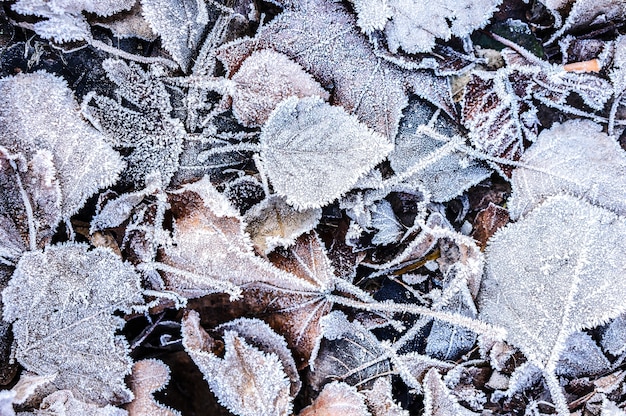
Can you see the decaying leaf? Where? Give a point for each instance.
(265, 79)
(413, 26)
(180, 23)
(314, 152)
(337, 398)
(273, 223)
(296, 314)
(210, 251)
(554, 165)
(148, 376)
(338, 56)
(61, 302)
(247, 380)
(544, 296)
(79, 154)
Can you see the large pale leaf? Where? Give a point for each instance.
(61, 302)
(38, 112)
(558, 270)
(314, 152)
(574, 157)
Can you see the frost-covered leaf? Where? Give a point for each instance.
(614, 337)
(128, 24)
(582, 357)
(314, 152)
(444, 174)
(380, 401)
(347, 352)
(247, 380)
(553, 165)
(180, 23)
(341, 58)
(148, 376)
(146, 127)
(556, 271)
(273, 223)
(439, 400)
(413, 26)
(64, 19)
(61, 302)
(296, 314)
(388, 228)
(38, 112)
(587, 14)
(210, 251)
(265, 79)
(337, 398)
(63, 403)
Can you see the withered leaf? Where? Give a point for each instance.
(333, 51)
(61, 302)
(439, 400)
(296, 314)
(83, 160)
(314, 152)
(273, 223)
(63, 402)
(263, 80)
(210, 251)
(553, 165)
(337, 398)
(543, 296)
(247, 380)
(148, 376)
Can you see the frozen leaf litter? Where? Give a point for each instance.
(310, 207)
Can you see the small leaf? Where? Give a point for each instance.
(314, 152)
(337, 398)
(148, 376)
(438, 400)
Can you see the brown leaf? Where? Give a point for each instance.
(148, 376)
(487, 222)
(337, 398)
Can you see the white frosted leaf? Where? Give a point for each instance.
(388, 228)
(556, 271)
(585, 13)
(63, 403)
(614, 337)
(337, 398)
(573, 157)
(247, 381)
(582, 357)
(380, 400)
(180, 23)
(266, 78)
(314, 152)
(38, 112)
(61, 303)
(273, 223)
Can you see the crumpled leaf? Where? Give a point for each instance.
(438, 400)
(61, 302)
(543, 296)
(314, 152)
(83, 161)
(263, 80)
(273, 223)
(128, 24)
(146, 127)
(413, 26)
(553, 165)
(341, 58)
(210, 251)
(337, 398)
(180, 23)
(148, 376)
(247, 380)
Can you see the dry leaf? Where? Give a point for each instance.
(148, 376)
(337, 398)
